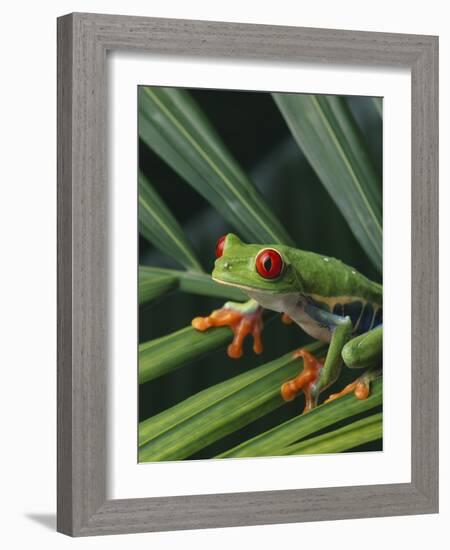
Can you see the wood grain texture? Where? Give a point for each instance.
(424, 276)
(83, 40)
(64, 252)
(82, 265)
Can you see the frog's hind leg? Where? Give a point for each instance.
(305, 380)
(364, 351)
(315, 376)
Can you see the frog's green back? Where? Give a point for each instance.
(328, 277)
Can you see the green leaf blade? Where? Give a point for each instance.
(154, 285)
(215, 412)
(357, 433)
(184, 281)
(378, 103)
(326, 132)
(157, 225)
(270, 442)
(173, 126)
(171, 352)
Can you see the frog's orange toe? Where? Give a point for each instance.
(257, 341)
(235, 350)
(200, 323)
(289, 390)
(362, 390)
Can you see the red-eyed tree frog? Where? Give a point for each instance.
(329, 300)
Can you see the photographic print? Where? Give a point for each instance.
(260, 274)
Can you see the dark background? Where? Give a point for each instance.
(254, 131)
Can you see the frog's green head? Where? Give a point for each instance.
(259, 267)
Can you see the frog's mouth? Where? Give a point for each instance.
(242, 287)
(228, 283)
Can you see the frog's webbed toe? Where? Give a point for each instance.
(360, 387)
(243, 319)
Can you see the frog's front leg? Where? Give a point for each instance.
(364, 351)
(242, 318)
(315, 376)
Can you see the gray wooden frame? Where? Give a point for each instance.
(83, 41)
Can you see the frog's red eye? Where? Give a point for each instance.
(219, 246)
(269, 263)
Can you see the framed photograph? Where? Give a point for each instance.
(247, 274)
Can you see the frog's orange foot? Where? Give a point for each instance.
(360, 387)
(305, 381)
(241, 323)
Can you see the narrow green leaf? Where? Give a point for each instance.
(172, 124)
(175, 350)
(270, 442)
(326, 132)
(350, 436)
(185, 281)
(217, 411)
(378, 102)
(157, 224)
(154, 285)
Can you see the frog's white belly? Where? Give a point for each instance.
(293, 304)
